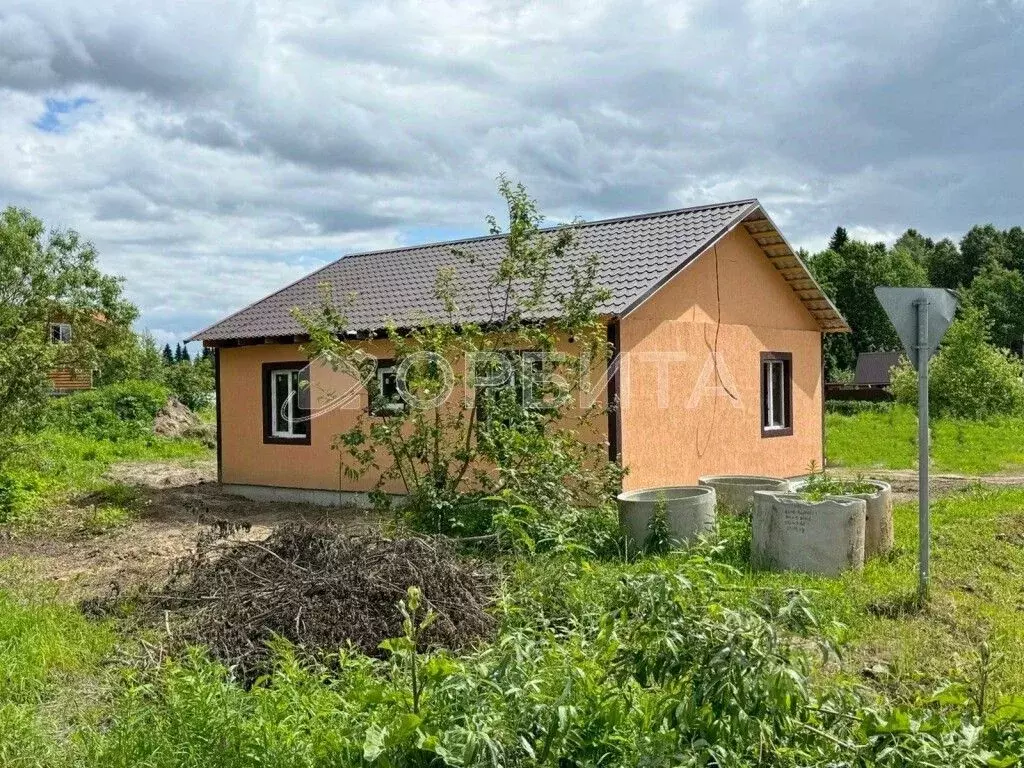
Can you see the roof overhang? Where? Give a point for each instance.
(793, 270)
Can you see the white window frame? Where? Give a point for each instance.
(776, 378)
(291, 375)
(776, 389)
(63, 333)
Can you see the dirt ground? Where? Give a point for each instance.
(904, 481)
(178, 502)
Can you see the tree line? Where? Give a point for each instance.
(986, 268)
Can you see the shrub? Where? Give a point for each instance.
(117, 412)
(855, 407)
(18, 494)
(969, 378)
(191, 383)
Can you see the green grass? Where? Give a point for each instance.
(977, 597)
(889, 441)
(50, 658)
(55, 466)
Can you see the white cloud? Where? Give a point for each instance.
(232, 146)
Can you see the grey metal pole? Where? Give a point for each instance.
(924, 527)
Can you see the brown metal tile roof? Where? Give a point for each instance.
(636, 254)
(874, 368)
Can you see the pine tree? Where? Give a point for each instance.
(839, 239)
(177, 353)
(167, 355)
(185, 356)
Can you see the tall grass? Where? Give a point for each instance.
(49, 656)
(52, 466)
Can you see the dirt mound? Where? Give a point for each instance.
(321, 588)
(175, 419)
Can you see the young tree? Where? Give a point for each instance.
(970, 378)
(136, 357)
(48, 277)
(514, 433)
(168, 355)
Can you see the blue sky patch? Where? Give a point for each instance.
(53, 118)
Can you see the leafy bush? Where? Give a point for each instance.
(191, 383)
(819, 485)
(854, 407)
(969, 378)
(19, 492)
(117, 412)
(654, 663)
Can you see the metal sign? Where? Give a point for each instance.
(921, 317)
(901, 305)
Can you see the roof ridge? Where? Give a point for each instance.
(552, 228)
(476, 239)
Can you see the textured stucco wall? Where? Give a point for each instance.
(246, 460)
(678, 421)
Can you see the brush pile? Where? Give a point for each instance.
(322, 589)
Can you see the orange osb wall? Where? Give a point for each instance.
(675, 426)
(246, 460)
(66, 380)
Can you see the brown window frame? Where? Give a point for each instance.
(786, 358)
(268, 370)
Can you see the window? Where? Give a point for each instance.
(60, 333)
(776, 394)
(285, 403)
(385, 400)
(522, 376)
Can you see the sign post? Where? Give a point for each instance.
(921, 317)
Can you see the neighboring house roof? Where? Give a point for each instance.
(636, 255)
(873, 367)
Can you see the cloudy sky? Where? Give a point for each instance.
(215, 151)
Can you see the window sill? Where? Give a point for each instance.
(776, 431)
(277, 440)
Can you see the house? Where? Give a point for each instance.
(716, 322)
(874, 369)
(65, 380)
(871, 379)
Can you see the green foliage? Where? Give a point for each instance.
(969, 378)
(659, 537)
(48, 278)
(820, 485)
(117, 412)
(135, 357)
(513, 455)
(47, 651)
(191, 383)
(849, 277)
(658, 662)
(999, 292)
(853, 407)
(55, 466)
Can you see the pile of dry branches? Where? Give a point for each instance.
(322, 589)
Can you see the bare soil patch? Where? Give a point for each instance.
(179, 500)
(904, 481)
